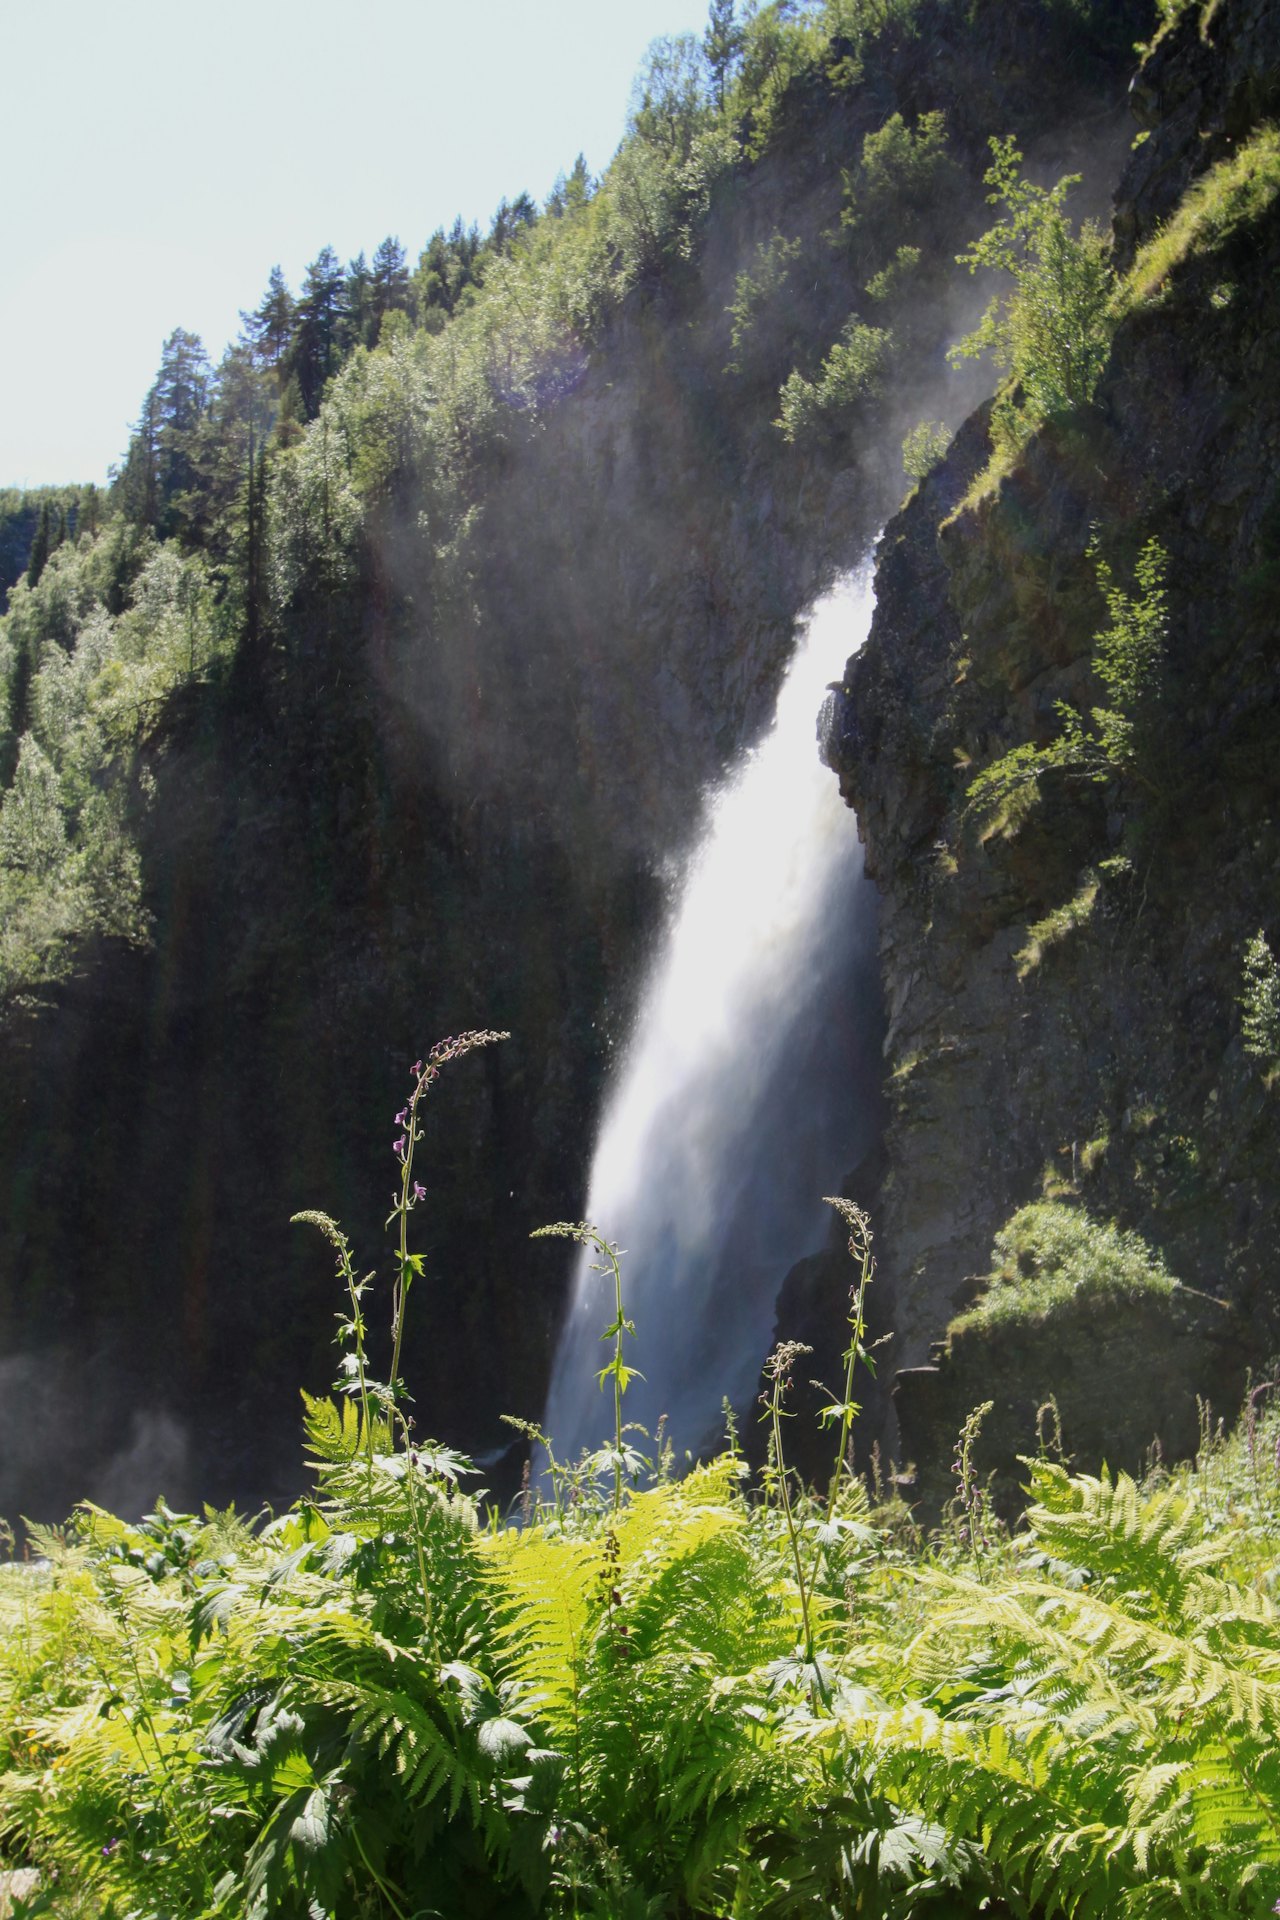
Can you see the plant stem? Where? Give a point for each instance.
(412, 1136)
(376, 1877)
(788, 1515)
(612, 1257)
(858, 1325)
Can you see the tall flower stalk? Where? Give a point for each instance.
(847, 1408)
(409, 1265)
(615, 1370)
(777, 1371)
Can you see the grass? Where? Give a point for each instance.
(1057, 926)
(1231, 197)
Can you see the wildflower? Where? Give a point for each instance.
(399, 1146)
(777, 1367)
(419, 1191)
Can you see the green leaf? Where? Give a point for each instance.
(310, 1829)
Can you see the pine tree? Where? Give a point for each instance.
(40, 547)
(136, 487)
(390, 291)
(512, 218)
(269, 328)
(356, 325)
(566, 193)
(448, 265)
(182, 395)
(314, 352)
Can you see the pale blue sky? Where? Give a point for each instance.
(164, 154)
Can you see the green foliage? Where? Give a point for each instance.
(902, 184)
(1129, 659)
(1260, 1002)
(757, 287)
(1052, 330)
(1171, 11)
(782, 43)
(1128, 739)
(199, 1717)
(86, 690)
(1058, 925)
(851, 373)
(722, 46)
(924, 447)
(1050, 1256)
(1216, 209)
(681, 1698)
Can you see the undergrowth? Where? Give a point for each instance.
(641, 1695)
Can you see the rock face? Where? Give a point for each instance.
(1063, 988)
(427, 813)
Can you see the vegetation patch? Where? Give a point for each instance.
(1051, 329)
(1051, 1257)
(1231, 197)
(644, 1697)
(1126, 738)
(1057, 926)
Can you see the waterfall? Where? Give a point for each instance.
(747, 1091)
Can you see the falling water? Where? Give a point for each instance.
(747, 1091)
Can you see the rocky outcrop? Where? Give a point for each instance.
(1063, 987)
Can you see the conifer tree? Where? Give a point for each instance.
(356, 325)
(511, 219)
(40, 547)
(390, 290)
(314, 350)
(269, 328)
(571, 190)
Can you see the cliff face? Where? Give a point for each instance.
(1063, 983)
(451, 797)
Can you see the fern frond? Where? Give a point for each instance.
(548, 1595)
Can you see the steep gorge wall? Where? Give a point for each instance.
(1098, 1059)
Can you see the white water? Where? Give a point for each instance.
(748, 1088)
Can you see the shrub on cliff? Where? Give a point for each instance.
(1052, 329)
(1050, 1255)
(1126, 737)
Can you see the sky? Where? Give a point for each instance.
(165, 154)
